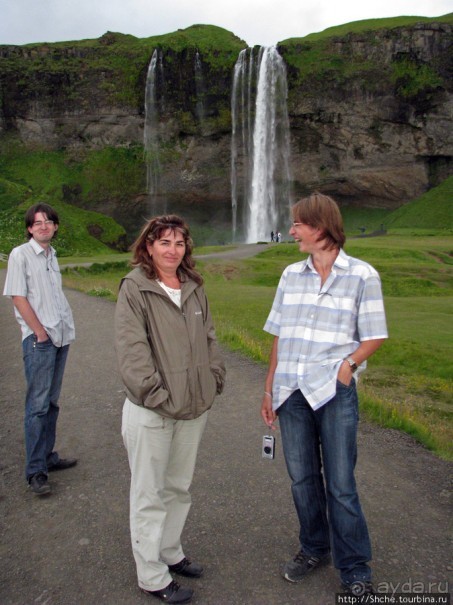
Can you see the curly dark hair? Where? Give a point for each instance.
(152, 231)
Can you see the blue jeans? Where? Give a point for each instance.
(44, 368)
(324, 443)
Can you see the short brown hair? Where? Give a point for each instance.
(45, 209)
(321, 212)
(152, 231)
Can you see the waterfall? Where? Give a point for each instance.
(151, 133)
(242, 111)
(200, 90)
(237, 111)
(261, 160)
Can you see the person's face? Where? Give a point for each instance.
(306, 236)
(42, 229)
(167, 252)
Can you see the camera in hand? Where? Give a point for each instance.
(268, 449)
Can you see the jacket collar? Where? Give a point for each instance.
(145, 284)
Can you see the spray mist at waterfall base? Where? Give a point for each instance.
(209, 221)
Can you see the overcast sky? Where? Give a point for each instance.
(263, 22)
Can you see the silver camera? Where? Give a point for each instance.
(268, 449)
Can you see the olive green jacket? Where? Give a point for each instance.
(168, 357)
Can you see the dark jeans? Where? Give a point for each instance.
(44, 368)
(329, 510)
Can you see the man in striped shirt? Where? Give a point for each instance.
(327, 319)
(33, 282)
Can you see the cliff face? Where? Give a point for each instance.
(372, 121)
(370, 113)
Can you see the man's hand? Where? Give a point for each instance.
(29, 316)
(267, 413)
(42, 336)
(345, 373)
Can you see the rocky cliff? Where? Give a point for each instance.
(371, 113)
(370, 109)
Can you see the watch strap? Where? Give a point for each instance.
(352, 363)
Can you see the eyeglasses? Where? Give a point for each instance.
(47, 223)
(295, 224)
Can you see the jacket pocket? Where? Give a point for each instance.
(208, 385)
(179, 392)
(157, 394)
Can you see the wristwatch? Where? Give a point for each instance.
(352, 363)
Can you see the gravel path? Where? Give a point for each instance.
(72, 548)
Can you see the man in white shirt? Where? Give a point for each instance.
(33, 282)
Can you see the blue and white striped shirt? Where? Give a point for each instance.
(319, 325)
(36, 276)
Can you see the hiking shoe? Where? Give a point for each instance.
(173, 593)
(358, 588)
(62, 464)
(38, 484)
(296, 569)
(187, 568)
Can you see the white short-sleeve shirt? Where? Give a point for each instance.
(35, 274)
(318, 325)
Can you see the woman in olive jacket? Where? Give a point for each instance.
(172, 369)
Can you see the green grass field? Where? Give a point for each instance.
(408, 384)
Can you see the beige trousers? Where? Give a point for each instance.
(162, 453)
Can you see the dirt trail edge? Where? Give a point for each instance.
(72, 548)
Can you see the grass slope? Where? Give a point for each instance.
(433, 210)
(367, 25)
(28, 177)
(81, 232)
(408, 384)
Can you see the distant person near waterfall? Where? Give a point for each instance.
(327, 319)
